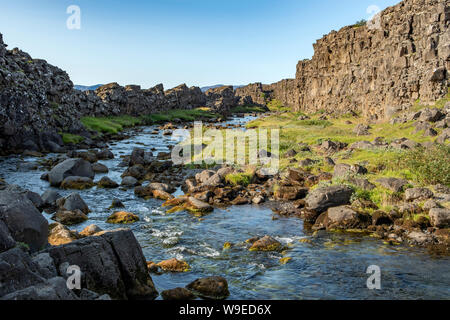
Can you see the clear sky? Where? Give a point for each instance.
(197, 42)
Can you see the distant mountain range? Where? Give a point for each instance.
(94, 87)
(87, 88)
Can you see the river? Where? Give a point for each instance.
(327, 266)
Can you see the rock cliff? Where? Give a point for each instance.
(402, 57)
(38, 102)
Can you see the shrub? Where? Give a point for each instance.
(360, 23)
(428, 165)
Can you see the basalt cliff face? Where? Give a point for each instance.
(38, 102)
(401, 56)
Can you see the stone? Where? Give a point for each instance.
(204, 176)
(122, 217)
(174, 265)
(59, 235)
(290, 193)
(111, 263)
(129, 182)
(99, 168)
(116, 203)
(6, 240)
(343, 217)
(69, 218)
(418, 194)
(198, 207)
(162, 195)
(362, 145)
(362, 130)
(77, 183)
(24, 222)
(49, 198)
(444, 136)
(306, 162)
(215, 288)
(266, 243)
(343, 170)
(319, 200)
(440, 218)
(362, 183)
(105, 154)
(291, 153)
(51, 289)
(107, 183)
(90, 230)
(73, 202)
(70, 168)
(381, 218)
(393, 184)
(178, 294)
(161, 187)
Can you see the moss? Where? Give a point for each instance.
(71, 138)
(248, 109)
(227, 245)
(240, 179)
(285, 260)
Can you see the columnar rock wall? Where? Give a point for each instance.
(38, 102)
(404, 57)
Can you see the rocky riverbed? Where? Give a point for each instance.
(262, 248)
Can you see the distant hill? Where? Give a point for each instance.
(204, 89)
(86, 88)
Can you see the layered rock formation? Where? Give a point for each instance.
(402, 57)
(38, 102)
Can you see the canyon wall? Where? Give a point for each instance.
(402, 56)
(38, 102)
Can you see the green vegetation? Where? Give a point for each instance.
(116, 124)
(428, 166)
(184, 115)
(248, 109)
(69, 138)
(240, 179)
(276, 105)
(360, 23)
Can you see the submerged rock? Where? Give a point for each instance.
(266, 243)
(122, 217)
(181, 294)
(70, 168)
(77, 183)
(174, 265)
(69, 218)
(215, 288)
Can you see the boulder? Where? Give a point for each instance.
(59, 235)
(266, 243)
(215, 288)
(178, 294)
(290, 193)
(107, 183)
(321, 199)
(122, 217)
(24, 222)
(440, 218)
(174, 265)
(6, 241)
(362, 183)
(343, 170)
(204, 176)
(77, 183)
(105, 154)
(418, 194)
(69, 218)
(112, 263)
(90, 230)
(362, 130)
(393, 184)
(129, 182)
(344, 217)
(73, 202)
(69, 168)
(100, 168)
(49, 198)
(198, 207)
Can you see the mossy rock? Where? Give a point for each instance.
(122, 217)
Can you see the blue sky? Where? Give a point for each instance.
(196, 42)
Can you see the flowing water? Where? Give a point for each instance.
(328, 266)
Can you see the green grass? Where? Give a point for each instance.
(240, 179)
(276, 105)
(184, 115)
(69, 138)
(114, 125)
(248, 109)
